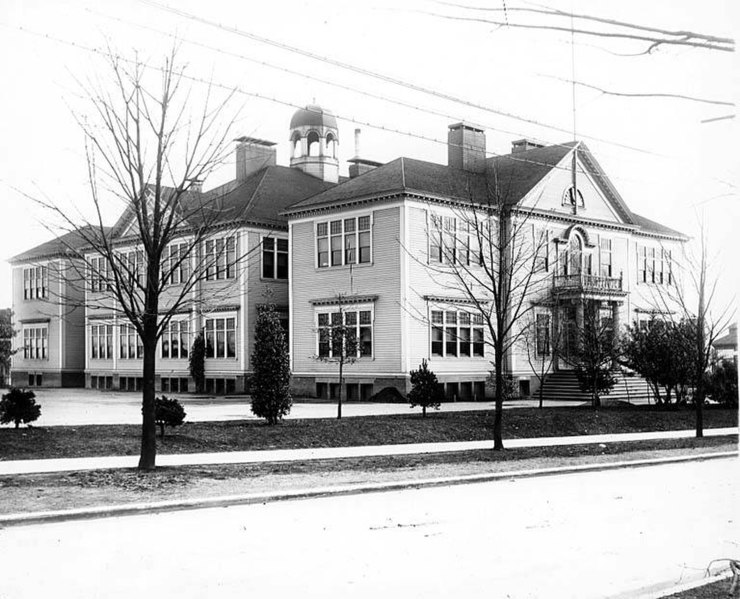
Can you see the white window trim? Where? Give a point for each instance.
(275, 254)
(27, 328)
(169, 338)
(354, 214)
(457, 309)
(333, 309)
(237, 325)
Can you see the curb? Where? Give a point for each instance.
(686, 586)
(335, 491)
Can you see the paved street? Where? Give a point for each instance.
(601, 534)
(90, 406)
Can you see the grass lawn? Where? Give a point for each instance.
(40, 492)
(83, 441)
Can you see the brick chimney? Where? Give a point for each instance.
(466, 147)
(522, 145)
(253, 154)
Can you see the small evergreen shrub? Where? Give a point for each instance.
(198, 362)
(168, 412)
(270, 381)
(425, 389)
(19, 405)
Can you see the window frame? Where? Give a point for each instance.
(354, 313)
(35, 282)
(447, 323)
(127, 333)
(174, 332)
(220, 257)
(543, 334)
(207, 332)
(101, 335)
(276, 253)
(36, 341)
(338, 242)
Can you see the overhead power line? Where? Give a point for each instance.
(376, 75)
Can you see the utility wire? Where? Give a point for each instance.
(375, 75)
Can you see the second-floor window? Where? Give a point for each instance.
(454, 240)
(176, 264)
(35, 282)
(542, 333)
(221, 337)
(457, 333)
(101, 341)
(129, 342)
(654, 265)
(98, 274)
(274, 258)
(343, 241)
(220, 258)
(35, 342)
(176, 340)
(605, 257)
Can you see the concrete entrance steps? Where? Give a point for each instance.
(563, 386)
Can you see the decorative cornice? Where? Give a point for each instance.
(345, 299)
(441, 299)
(34, 320)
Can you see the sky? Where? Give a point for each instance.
(667, 164)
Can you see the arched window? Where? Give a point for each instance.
(575, 256)
(331, 146)
(573, 197)
(313, 144)
(296, 145)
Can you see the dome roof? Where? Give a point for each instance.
(313, 116)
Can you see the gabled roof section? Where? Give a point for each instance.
(259, 199)
(514, 175)
(650, 226)
(65, 245)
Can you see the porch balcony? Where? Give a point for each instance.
(584, 283)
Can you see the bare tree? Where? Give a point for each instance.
(498, 272)
(148, 149)
(338, 341)
(539, 342)
(693, 301)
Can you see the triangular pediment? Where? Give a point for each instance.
(596, 197)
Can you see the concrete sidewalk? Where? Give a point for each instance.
(322, 453)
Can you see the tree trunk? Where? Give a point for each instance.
(148, 454)
(498, 442)
(17, 423)
(423, 411)
(161, 431)
(339, 402)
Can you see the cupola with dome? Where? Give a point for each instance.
(314, 140)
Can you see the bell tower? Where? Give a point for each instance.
(314, 143)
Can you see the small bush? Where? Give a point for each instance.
(425, 389)
(19, 405)
(168, 412)
(388, 395)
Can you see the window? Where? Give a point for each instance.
(453, 241)
(101, 341)
(221, 337)
(130, 346)
(543, 334)
(274, 258)
(131, 266)
(542, 250)
(573, 197)
(605, 257)
(457, 333)
(36, 342)
(35, 282)
(344, 241)
(654, 265)
(176, 264)
(348, 329)
(176, 340)
(220, 258)
(98, 269)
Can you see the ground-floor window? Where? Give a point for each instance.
(101, 382)
(36, 342)
(130, 383)
(101, 341)
(221, 337)
(35, 380)
(457, 333)
(220, 386)
(130, 345)
(174, 384)
(351, 329)
(353, 391)
(465, 390)
(176, 339)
